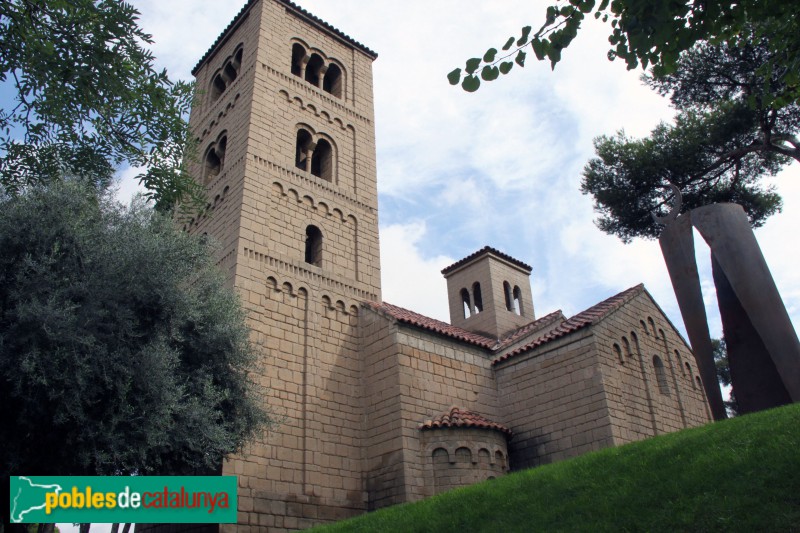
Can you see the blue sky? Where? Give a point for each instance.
(502, 166)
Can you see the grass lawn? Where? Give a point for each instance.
(738, 475)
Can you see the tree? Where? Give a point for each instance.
(121, 349)
(724, 373)
(88, 98)
(727, 135)
(655, 33)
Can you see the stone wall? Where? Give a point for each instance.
(553, 399)
(646, 398)
(456, 457)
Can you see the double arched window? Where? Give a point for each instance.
(474, 304)
(225, 76)
(314, 154)
(317, 70)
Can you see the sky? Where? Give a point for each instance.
(499, 167)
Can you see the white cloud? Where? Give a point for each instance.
(501, 166)
(411, 280)
(127, 185)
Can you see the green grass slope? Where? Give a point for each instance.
(738, 475)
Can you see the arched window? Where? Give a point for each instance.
(661, 375)
(214, 159)
(302, 159)
(217, 87)
(507, 292)
(688, 372)
(322, 160)
(477, 297)
(212, 164)
(313, 68)
(332, 82)
(517, 300)
(230, 73)
(618, 351)
(465, 303)
(680, 362)
(313, 246)
(226, 75)
(298, 54)
(699, 384)
(626, 346)
(644, 327)
(652, 326)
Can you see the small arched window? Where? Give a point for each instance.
(313, 246)
(618, 352)
(699, 384)
(313, 68)
(688, 372)
(661, 375)
(626, 346)
(652, 326)
(303, 147)
(507, 292)
(298, 55)
(644, 327)
(517, 300)
(477, 297)
(214, 159)
(332, 82)
(322, 160)
(213, 165)
(465, 303)
(218, 86)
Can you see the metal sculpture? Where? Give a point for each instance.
(763, 349)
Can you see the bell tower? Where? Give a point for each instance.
(489, 292)
(285, 126)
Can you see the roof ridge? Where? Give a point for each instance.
(413, 318)
(589, 316)
(241, 15)
(515, 335)
(462, 418)
(486, 250)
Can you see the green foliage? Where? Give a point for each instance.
(735, 475)
(724, 139)
(121, 349)
(88, 98)
(655, 33)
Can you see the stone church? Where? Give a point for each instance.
(377, 404)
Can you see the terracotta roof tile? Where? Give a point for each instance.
(459, 418)
(483, 251)
(243, 12)
(540, 323)
(585, 318)
(415, 319)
